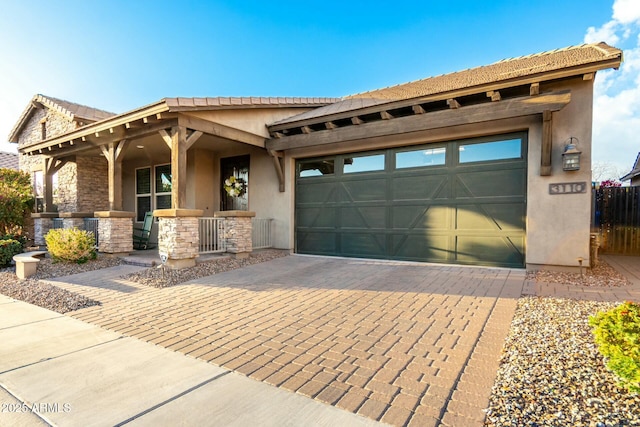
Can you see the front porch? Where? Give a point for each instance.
(216, 235)
(171, 159)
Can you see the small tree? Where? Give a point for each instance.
(610, 183)
(16, 200)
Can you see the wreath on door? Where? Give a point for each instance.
(235, 187)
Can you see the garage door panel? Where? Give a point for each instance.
(410, 217)
(369, 244)
(316, 242)
(498, 217)
(364, 217)
(363, 190)
(316, 192)
(490, 184)
(420, 187)
(505, 251)
(316, 217)
(422, 247)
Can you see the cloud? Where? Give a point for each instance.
(616, 109)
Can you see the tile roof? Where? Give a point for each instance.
(505, 69)
(190, 103)
(8, 160)
(500, 72)
(72, 110)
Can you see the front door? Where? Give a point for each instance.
(237, 167)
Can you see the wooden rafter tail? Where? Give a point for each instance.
(453, 103)
(494, 95)
(330, 125)
(534, 89)
(306, 129)
(356, 120)
(417, 109)
(385, 115)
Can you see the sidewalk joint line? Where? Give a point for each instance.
(61, 355)
(171, 399)
(35, 321)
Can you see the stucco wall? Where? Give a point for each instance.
(558, 226)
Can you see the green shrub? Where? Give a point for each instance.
(9, 248)
(617, 333)
(70, 245)
(16, 199)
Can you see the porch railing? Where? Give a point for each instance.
(57, 223)
(91, 224)
(261, 233)
(211, 231)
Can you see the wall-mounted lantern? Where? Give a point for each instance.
(571, 155)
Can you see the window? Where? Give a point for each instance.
(495, 150)
(316, 168)
(152, 191)
(143, 192)
(364, 163)
(163, 187)
(421, 158)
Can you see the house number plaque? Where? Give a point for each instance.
(568, 188)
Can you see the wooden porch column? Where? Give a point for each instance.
(179, 143)
(113, 152)
(51, 165)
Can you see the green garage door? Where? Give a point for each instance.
(454, 202)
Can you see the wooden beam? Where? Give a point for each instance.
(220, 130)
(114, 152)
(588, 76)
(452, 103)
(306, 129)
(385, 115)
(191, 139)
(179, 167)
(547, 143)
(505, 109)
(494, 95)
(166, 137)
(356, 120)
(278, 160)
(417, 109)
(534, 89)
(278, 134)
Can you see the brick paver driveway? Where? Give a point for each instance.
(403, 343)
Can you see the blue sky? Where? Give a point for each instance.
(119, 55)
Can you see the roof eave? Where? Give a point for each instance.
(497, 85)
(100, 126)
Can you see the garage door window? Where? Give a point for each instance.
(421, 158)
(490, 151)
(364, 163)
(316, 168)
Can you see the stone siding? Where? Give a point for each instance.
(238, 234)
(178, 237)
(115, 235)
(82, 183)
(41, 227)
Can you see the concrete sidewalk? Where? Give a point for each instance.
(61, 371)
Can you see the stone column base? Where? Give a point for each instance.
(42, 223)
(178, 236)
(115, 229)
(238, 229)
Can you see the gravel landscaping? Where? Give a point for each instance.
(158, 278)
(551, 373)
